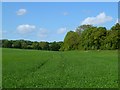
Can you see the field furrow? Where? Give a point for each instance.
(49, 69)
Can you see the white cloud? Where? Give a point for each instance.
(42, 33)
(65, 13)
(99, 19)
(25, 28)
(21, 11)
(61, 31)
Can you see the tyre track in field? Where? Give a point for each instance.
(63, 74)
(32, 71)
(39, 66)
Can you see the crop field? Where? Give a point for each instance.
(52, 69)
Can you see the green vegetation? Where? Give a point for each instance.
(0, 68)
(96, 67)
(71, 41)
(92, 38)
(68, 69)
(86, 37)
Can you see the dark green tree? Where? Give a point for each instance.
(35, 45)
(16, 44)
(7, 44)
(54, 46)
(44, 45)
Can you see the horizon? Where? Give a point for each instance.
(50, 21)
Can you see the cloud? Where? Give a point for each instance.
(25, 28)
(21, 11)
(99, 19)
(65, 13)
(61, 31)
(42, 33)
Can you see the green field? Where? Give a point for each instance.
(69, 69)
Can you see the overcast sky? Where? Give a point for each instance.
(51, 21)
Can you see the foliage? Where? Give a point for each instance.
(44, 45)
(93, 38)
(24, 44)
(86, 37)
(71, 41)
(82, 28)
(54, 46)
(6, 43)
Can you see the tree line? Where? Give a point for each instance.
(88, 37)
(25, 44)
(85, 37)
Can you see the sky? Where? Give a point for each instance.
(50, 21)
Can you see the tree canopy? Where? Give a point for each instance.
(85, 37)
(92, 38)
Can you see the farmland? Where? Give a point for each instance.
(55, 69)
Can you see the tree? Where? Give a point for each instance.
(93, 38)
(23, 44)
(71, 41)
(81, 28)
(0, 43)
(7, 44)
(16, 44)
(87, 38)
(99, 37)
(35, 45)
(108, 40)
(55, 46)
(113, 38)
(44, 45)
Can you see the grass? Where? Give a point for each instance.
(69, 69)
(0, 68)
